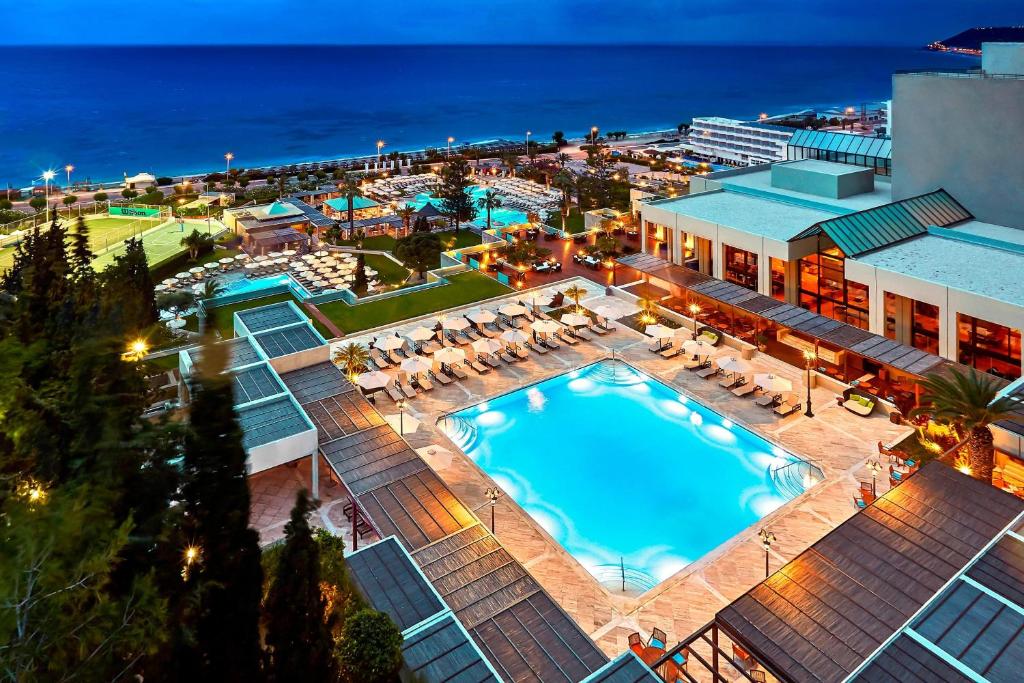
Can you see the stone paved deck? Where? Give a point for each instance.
(838, 442)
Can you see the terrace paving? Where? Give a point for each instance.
(837, 441)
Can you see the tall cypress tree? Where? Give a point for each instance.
(220, 640)
(298, 632)
(132, 300)
(359, 282)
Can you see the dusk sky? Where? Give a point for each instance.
(114, 22)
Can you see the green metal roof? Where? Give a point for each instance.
(877, 147)
(864, 231)
(341, 203)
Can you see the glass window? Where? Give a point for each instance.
(824, 289)
(988, 346)
(778, 283)
(924, 326)
(741, 267)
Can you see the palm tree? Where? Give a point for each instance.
(969, 401)
(211, 288)
(575, 293)
(562, 158)
(282, 183)
(566, 182)
(406, 213)
(353, 356)
(194, 241)
(351, 190)
(490, 200)
(510, 160)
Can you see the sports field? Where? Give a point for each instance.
(104, 232)
(161, 243)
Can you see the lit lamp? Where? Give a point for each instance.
(492, 494)
(136, 350)
(528, 134)
(875, 468)
(227, 165)
(810, 357)
(68, 169)
(401, 417)
(767, 538)
(48, 175)
(694, 311)
(191, 557)
(593, 135)
(380, 146)
(449, 152)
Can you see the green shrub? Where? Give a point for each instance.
(370, 647)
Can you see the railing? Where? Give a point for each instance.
(705, 650)
(959, 73)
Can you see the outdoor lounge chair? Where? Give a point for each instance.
(441, 378)
(504, 355)
(541, 315)
(604, 324)
(672, 351)
(788, 406)
(519, 352)
(480, 368)
(658, 638)
(394, 393)
(745, 389)
(635, 644)
(378, 358)
(407, 389)
(731, 381)
(693, 364)
(582, 333)
(768, 400)
(472, 334)
(537, 347)
(657, 347)
(708, 372)
(423, 383)
(567, 338)
(550, 342)
(459, 372)
(430, 346)
(503, 324)
(596, 329)
(491, 360)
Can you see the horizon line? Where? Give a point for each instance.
(474, 45)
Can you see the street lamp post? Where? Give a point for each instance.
(448, 153)
(401, 417)
(875, 468)
(48, 175)
(68, 169)
(810, 357)
(593, 135)
(227, 166)
(767, 538)
(694, 311)
(380, 146)
(493, 494)
(528, 133)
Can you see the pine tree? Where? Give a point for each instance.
(220, 620)
(298, 633)
(359, 283)
(131, 294)
(456, 200)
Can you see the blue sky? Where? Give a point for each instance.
(118, 22)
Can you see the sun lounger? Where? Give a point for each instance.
(768, 400)
(731, 381)
(480, 368)
(538, 347)
(597, 330)
(657, 347)
(582, 334)
(565, 337)
(506, 357)
(503, 324)
(603, 324)
(550, 343)
(424, 383)
(693, 364)
(430, 347)
(672, 351)
(472, 334)
(441, 378)
(789, 406)
(459, 372)
(491, 360)
(707, 372)
(394, 393)
(488, 332)
(542, 315)
(407, 389)
(520, 352)
(745, 389)
(377, 357)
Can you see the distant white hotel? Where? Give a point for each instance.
(740, 143)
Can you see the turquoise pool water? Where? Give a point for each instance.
(244, 285)
(503, 215)
(625, 472)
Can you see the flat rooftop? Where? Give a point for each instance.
(241, 351)
(1002, 233)
(760, 183)
(255, 382)
(771, 218)
(268, 317)
(276, 419)
(978, 269)
(281, 342)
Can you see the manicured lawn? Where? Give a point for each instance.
(222, 317)
(388, 271)
(462, 289)
(465, 238)
(376, 243)
(163, 363)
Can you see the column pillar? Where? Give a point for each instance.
(315, 470)
(793, 282)
(704, 260)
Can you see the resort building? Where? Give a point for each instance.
(362, 207)
(960, 130)
(285, 224)
(739, 143)
(926, 584)
(874, 152)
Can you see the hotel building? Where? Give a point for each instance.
(740, 143)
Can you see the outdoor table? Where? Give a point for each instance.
(668, 671)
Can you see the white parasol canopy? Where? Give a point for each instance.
(373, 380)
(389, 343)
(696, 347)
(772, 384)
(515, 336)
(734, 364)
(608, 312)
(403, 424)
(455, 323)
(576, 320)
(415, 364)
(449, 355)
(241, 257)
(482, 316)
(513, 309)
(212, 265)
(226, 260)
(658, 331)
(486, 345)
(420, 334)
(545, 326)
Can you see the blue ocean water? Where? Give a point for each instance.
(172, 110)
(620, 468)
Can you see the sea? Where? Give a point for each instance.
(174, 110)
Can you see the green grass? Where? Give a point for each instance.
(161, 244)
(465, 238)
(222, 317)
(161, 364)
(388, 271)
(462, 289)
(169, 269)
(376, 243)
(103, 232)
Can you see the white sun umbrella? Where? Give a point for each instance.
(373, 380)
(735, 365)
(212, 265)
(415, 364)
(182, 275)
(515, 336)
(540, 298)
(260, 259)
(482, 317)
(772, 384)
(512, 310)
(160, 288)
(321, 253)
(252, 266)
(658, 331)
(274, 254)
(420, 334)
(455, 323)
(288, 252)
(576, 320)
(297, 265)
(486, 345)
(449, 355)
(696, 347)
(198, 287)
(403, 423)
(226, 260)
(170, 281)
(545, 326)
(683, 333)
(389, 343)
(241, 257)
(308, 257)
(606, 311)
(196, 270)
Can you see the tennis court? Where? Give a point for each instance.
(161, 243)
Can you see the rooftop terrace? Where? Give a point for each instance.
(769, 217)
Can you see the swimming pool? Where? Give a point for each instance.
(628, 475)
(501, 215)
